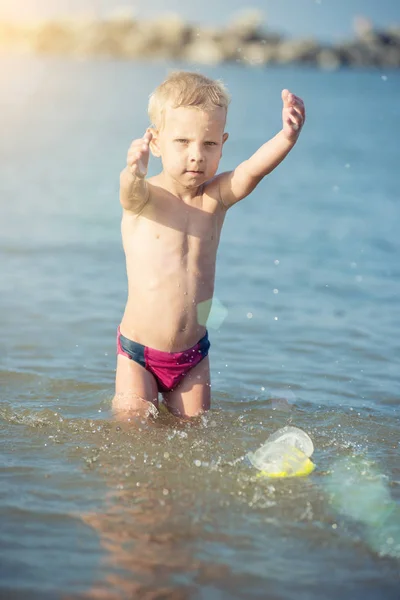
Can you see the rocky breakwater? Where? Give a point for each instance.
(244, 40)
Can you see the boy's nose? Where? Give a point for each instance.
(196, 154)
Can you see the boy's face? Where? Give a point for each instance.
(190, 144)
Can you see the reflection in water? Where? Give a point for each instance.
(180, 511)
(153, 515)
(146, 547)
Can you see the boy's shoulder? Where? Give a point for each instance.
(212, 189)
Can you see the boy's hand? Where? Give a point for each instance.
(293, 115)
(138, 155)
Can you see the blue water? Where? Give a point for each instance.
(308, 279)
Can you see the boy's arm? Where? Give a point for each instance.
(239, 183)
(134, 190)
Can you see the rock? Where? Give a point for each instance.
(53, 38)
(328, 59)
(204, 51)
(297, 51)
(231, 46)
(259, 54)
(170, 33)
(102, 39)
(243, 40)
(362, 26)
(247, 25)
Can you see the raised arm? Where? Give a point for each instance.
(239, 183)
(134, 189)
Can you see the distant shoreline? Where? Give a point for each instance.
(244, 41)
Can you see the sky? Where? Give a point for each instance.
(323, 19)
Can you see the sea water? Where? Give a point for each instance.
(306, 335)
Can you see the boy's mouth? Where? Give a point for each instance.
(195, 172)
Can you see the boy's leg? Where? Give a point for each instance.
(192, 396)
(136, 391)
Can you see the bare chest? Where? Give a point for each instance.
(171, 233)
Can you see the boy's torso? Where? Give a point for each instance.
(171, 249)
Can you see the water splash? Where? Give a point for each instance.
(359, 491)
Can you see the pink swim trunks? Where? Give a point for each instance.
(168, 368)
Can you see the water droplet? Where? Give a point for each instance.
(276, 262)
(249, 315)
(165, 492)
(197, 463)
(275, 318)
(384, 77)
(276, 291)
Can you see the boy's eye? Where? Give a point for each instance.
(210, 143)
(181, 141)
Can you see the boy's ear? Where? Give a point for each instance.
(224, 138)
(154, 144)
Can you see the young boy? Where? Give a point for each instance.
(171, 227)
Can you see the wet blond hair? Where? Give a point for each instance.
(183, 88)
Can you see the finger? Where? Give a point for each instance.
(146, 142)
(292, 112)
(299, 107)
(134, 157)
(133, 169)
(292, 123)
(295, 116)
(143, 140)
(148, 136)
(297, 112)
(136, 169)
(139, 148)
(295, 122)
(293, 99)
(285, 98)
(136, 146)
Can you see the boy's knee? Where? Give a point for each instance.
(128, 404)
(187, 412)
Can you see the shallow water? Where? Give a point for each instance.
(308, 280)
